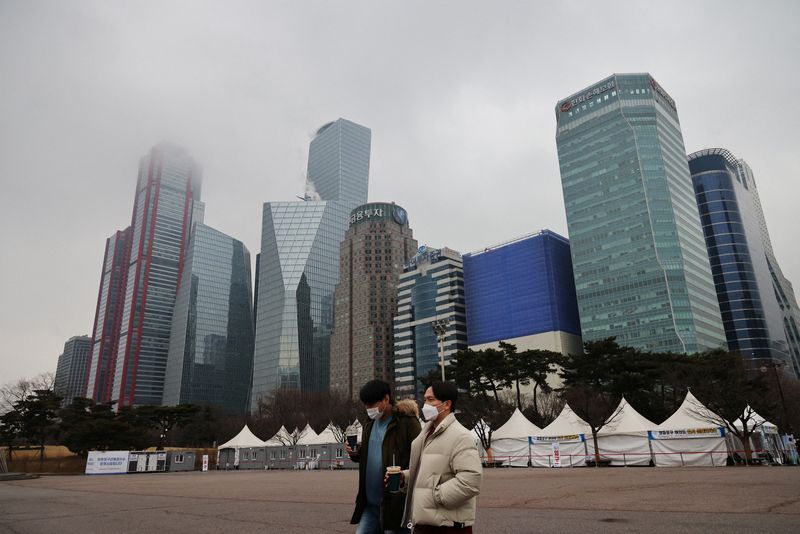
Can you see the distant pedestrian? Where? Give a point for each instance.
(386, 441)
(444, 474)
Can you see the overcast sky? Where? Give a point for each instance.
(459, 95)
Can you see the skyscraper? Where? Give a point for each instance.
(167, 201)
(523, 292)
(70, 380)
(377, 245)
(108, 316)
(211, 343)
(299, 263)
(430, 289)
(738, 244)
(641, 266)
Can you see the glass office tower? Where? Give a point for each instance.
(299, 263)
(108, 316)
(640, 263)
(70, 379)
(737, 241)
(430, 289)
(167, 202)
(210, 357)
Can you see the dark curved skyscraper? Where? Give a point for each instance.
(741, 258)
(211, 345)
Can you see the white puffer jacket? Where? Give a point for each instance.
(444, 476)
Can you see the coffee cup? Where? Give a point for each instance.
(352, 441)
(393, 471)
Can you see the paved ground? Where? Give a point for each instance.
(729, 500)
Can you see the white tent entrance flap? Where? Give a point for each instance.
(558, 451)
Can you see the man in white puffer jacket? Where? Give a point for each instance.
(444, 474)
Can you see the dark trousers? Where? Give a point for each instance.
(427, 529)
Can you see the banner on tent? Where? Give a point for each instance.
(556, 454)
(574, 438)
(712, 432)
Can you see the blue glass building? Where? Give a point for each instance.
(523, 292)
(641, 266)
(299, 263)
(210, 357)
(732, 221)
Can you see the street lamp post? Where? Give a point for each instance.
(440, 328)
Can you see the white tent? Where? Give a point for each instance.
(228, 454)
(476, 435)
(280, 438)
(328, 436)
(510, 441)
(244, 439)
(624, 438)
(690, 437)
(307, 436)
(562, 443)
(764, 439)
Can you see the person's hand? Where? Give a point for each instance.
(350, 452)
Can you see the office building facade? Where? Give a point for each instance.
(108, 317)
(377, 245)
(299, 263)
(431, 289)
(740, 250)
(210, 358)
(522, 292)
(70, 379)
(167, 203)
(641, 267)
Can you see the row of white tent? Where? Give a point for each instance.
(299, 449)
(689, 437)
(692, 436)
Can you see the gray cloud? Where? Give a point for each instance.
(459, 96)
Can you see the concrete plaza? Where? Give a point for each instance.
(742, 499)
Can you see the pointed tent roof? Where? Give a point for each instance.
(566, 424)
(758, 420)
(690, 414)
(307, 435)
(280, 438)
(327, 436)
(245, 438)
(517, 427)
(626, 420)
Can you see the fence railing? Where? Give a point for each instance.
(572, 460)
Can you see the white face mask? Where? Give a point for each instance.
(374, 413)
(429, 413)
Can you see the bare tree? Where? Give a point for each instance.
(727, 387)
(14, 392)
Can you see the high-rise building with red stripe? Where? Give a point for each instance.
(108, 316)
(167, 203)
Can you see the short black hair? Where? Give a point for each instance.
(374, 391)
(445, 391)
